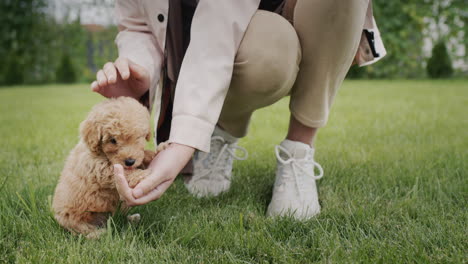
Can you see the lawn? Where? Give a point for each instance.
(395, 188)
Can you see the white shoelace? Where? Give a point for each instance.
(230, 148)
(296, 166)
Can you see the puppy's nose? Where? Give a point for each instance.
(129, 162)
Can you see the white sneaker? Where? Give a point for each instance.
(212, 171)
(295, 191)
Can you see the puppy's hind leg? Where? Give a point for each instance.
(96, 234)
(89, 224)
(90, 231)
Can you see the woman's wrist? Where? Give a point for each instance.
(175, 153)
(164, 169)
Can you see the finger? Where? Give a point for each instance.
(147, 185)
(95, 86)
(154, 194)
(101, 78)
(136, 70)
(122, 67)
(122, 185)
(110, 72)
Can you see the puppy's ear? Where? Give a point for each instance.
(91, 134)
(148, 136)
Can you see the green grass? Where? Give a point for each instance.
(395, 190)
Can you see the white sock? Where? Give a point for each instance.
(297, 149)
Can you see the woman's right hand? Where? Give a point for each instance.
(163, 170)
(122, 78)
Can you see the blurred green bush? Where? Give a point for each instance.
(66, 70)
(440, 64)
(33, 41)
(13, 71)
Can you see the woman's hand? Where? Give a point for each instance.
(164, 169)
(122, 78)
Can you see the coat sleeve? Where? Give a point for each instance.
(216, 32)
(135, 40)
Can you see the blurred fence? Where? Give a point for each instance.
(39, 46)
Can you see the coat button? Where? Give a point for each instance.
(161, 17)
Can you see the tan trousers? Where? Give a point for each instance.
(307, 59)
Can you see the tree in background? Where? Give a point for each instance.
(13, 71)
(440, 64)
(33, 40)
(65, 71)
(448, 30)
(22, 22)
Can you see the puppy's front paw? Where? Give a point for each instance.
(162, 146)
(136, 176)
(149, 156)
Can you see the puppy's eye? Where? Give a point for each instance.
(113, 141)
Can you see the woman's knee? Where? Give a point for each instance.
(268, 58)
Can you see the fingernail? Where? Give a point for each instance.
(138, 193)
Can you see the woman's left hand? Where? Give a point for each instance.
(164, 169)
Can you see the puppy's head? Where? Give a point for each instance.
(118, 129)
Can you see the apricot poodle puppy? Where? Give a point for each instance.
(115, 132)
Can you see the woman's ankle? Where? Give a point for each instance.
(300, 132)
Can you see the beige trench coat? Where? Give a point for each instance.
(216, 32)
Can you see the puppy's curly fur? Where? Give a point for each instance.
(115, 132)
